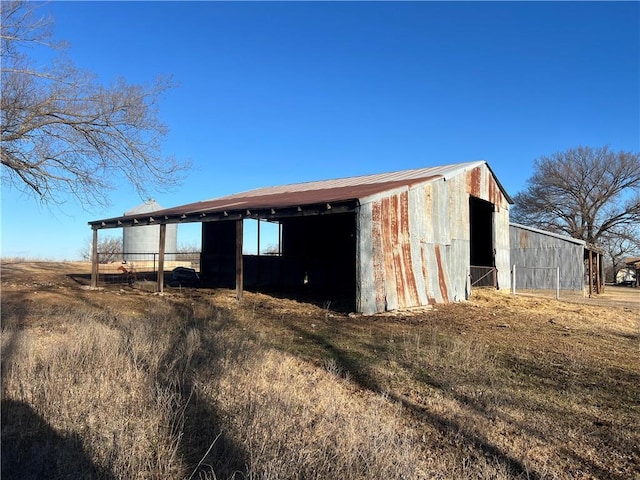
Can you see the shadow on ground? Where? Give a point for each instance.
(31, 449)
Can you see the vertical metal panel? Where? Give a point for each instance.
(458, 209)
(410, 297)
(364, 263)
(439, 218)
(459, 283)
(388, 225)
(417, 233)
(400, 284)
(378, 255)
(474, 183)
(502, 245)
(428, 213)
(442, 271)
(433, 271)
(370, 260)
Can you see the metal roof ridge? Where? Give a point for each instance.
(551, 234)
(454, 166)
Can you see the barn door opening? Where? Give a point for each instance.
(482, 261)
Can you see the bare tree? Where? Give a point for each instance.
(587, 193)
(63, 133)
(188, 252)
(110, 249)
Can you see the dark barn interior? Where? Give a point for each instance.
(481, 224)
(316, 258)
(481, 236)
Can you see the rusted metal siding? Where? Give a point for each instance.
(482, 184)
(410, 262)
(414, 241)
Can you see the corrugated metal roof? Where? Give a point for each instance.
(566, 238)
(312, 193)
(400, 177)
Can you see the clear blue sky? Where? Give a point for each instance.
(281, 92)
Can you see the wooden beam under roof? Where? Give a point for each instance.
(268, 213)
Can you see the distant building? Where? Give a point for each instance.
(630, 273)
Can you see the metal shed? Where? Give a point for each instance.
(537, 254)
(385, 241)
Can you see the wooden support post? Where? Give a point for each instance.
(258, 257)
(94, 259)
(258, 253)
(590, 273)
(598, 280)
(161, 246)
(239, 264)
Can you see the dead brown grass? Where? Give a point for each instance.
(123, 384)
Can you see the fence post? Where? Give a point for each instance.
(557, 283)
(513, 279)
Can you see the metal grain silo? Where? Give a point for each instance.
(140, 243)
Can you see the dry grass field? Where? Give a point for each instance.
(122, 383)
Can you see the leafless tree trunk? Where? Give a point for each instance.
(62, 133)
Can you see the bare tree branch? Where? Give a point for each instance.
(63, 133)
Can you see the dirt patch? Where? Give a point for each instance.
(612, 296)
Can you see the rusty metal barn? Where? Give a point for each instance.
(383, 242)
